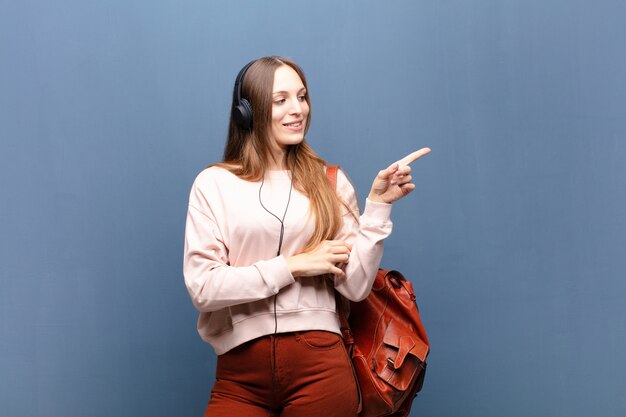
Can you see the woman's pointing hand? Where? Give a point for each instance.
(394, 182)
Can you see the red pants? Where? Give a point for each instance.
(312, 378)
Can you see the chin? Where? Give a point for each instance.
(292, 140)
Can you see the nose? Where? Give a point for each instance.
(296, 106)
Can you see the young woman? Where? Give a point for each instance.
(268, 242)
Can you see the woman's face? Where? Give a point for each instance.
(290, 109)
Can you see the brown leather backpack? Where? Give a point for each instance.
(386, 341)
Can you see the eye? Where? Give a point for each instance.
(279, 101)
(302, 98)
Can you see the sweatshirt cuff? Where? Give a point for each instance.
(376, 212)
(275, 273)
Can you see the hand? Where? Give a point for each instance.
(393, 183)
(322, 259)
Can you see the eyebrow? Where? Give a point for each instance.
(286, 92)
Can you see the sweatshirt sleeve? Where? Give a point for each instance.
(210, 279)
(366, 237)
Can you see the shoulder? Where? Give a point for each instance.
(214, 172)
(211, 182)
(213, 176)
(346, 192)
(344, 185)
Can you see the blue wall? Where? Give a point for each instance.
(515, 237)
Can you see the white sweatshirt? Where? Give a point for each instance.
(230, 265)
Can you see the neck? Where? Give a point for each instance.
(278, 161)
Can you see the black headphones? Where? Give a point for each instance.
(242, 109)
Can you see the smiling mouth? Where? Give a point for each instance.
(294, 124)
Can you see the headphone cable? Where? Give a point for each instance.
(280, 244)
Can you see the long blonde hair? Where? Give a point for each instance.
(248, 151)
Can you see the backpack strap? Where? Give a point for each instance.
(331, 174)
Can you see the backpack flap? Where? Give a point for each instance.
(406, 341)
(400, 358)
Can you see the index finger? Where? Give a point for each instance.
(412, 157)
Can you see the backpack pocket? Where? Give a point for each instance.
(400, 358)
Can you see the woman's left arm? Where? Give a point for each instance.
(366, 235)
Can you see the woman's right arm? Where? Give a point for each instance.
(212, 282)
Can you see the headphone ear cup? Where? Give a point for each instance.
(242, 114)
